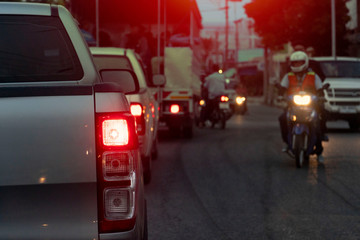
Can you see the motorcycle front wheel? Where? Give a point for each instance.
(299, 151)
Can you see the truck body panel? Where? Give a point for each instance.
(48, 171)
(181, 70)
(182, 88)
(343, 95)
(64, 155)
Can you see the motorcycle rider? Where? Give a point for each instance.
(301, 77)
(215, 85)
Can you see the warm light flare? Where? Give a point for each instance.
(42, 179)
(240, 100)
(136, 110)
(202, 102)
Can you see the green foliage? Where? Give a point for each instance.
(305, 22)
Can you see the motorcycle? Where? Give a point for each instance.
(221, 111)
(303, 121)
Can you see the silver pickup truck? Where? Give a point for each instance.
(70, 165)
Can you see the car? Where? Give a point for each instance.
(343, 96)
(143, 104)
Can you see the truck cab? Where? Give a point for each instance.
(343, 96)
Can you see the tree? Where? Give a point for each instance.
(305, 22)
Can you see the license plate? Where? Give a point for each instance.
(224, 105)
(348, 109)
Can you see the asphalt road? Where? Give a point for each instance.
(236, 184)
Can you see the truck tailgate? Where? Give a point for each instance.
(47, 167)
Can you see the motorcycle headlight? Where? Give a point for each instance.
(240, 100)
(302, 100)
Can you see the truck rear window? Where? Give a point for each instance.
(338, 69)
(35, 49)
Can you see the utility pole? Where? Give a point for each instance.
(333, 29)
(226, 32)
(158, 36)
(97, 22)
(237, 44)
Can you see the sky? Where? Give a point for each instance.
(211, 14)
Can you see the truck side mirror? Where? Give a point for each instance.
(126, 79)
(159, 80)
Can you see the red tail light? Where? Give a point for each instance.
(137, 110)
(224, 98)
(116, 164)
(115, 132)
(174, 108)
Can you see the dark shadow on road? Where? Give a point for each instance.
(343, 130)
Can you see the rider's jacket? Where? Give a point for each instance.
(308, 84)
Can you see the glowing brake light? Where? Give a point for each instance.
(117, 156)
(115, 132)
(224, 99)
(136, 109)
(175, 108)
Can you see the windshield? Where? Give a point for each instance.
(36, 48)
(337, 69)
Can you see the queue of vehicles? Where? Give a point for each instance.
(86, 122)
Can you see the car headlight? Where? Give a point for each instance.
(240, 100)
(302, 100)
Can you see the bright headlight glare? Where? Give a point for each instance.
(302, 100)
(240, 100)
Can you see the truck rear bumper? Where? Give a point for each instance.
(128, 235)
(177, 121)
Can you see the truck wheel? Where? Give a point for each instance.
(154, 149)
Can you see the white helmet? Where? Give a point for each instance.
(299, 61)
